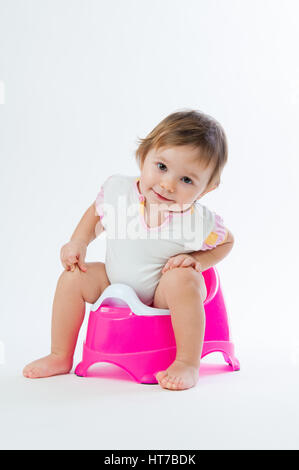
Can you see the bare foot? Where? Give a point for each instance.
(47, 366)
(178, 376)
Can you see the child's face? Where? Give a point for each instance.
(175, 173)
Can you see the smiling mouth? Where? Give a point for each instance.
(162, 197)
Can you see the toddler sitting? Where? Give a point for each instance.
(159, 240)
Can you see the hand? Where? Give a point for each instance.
(73, 253)
(182, 261)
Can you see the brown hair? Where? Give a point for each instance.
(192, 128)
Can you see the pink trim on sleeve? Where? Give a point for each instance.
(217, 236)
(100, 202)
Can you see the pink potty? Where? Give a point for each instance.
(140, 339)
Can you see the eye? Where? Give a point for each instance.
(186, 177)
(164, 166)
(161, 164)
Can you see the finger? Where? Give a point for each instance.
(187, 262)
(168, 264)
(71, 267)
(165, 268)
(198, 267)
(168, 267)
(179, 262)
(82, 266)
(67, 265)
(173, 262)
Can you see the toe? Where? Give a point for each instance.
(31, 373)
(176, 383)
(34, 373)
(170, 382)
(160, 375)
(180, 384)
(164, 380)
(27, 372)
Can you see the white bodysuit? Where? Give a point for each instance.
(136, 253)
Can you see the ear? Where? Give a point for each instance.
(207, 190)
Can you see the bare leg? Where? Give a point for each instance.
(72, 291)
(183, 292)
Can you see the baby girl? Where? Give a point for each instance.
(175, 239)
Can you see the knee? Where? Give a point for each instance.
(185, 278)
(70, 276)
(181, 277)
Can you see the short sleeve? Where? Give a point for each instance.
(100, 202)
(100, 199)
(217, 236)
(106, 202)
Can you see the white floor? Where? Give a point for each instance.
(254, 408)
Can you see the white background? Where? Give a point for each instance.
(81, 81)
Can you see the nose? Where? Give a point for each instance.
(167, 185)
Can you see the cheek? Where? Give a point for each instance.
(148, 179)
(186, 195)
(150, 176)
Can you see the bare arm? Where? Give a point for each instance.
(89, 227)
(209, 258)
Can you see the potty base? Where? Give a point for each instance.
(140, 365)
